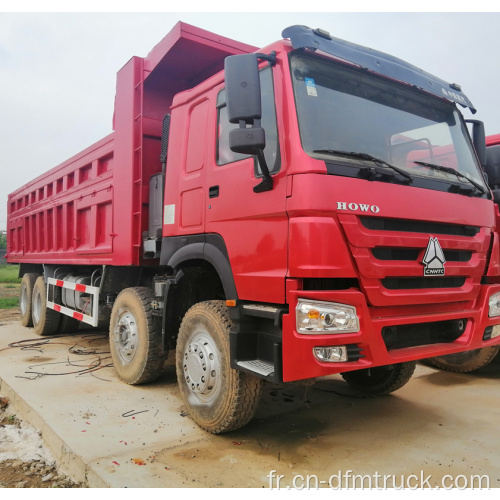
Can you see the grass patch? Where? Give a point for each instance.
(8, 302)
(8, 274)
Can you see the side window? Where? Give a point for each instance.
(271, 151)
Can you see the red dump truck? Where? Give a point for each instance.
(310, 208)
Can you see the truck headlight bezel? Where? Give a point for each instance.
(314, 317)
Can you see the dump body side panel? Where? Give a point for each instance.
(66, 216)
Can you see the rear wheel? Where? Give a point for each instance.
(45, 321)
(218, 398)
(380, 380)
(465, 362)
(25, 298)
(68, 324)
(135, 337)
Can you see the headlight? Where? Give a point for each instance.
(316, 317)
(494, 304)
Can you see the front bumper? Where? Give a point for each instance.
(299, 361)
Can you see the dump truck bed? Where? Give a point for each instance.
(93, 208)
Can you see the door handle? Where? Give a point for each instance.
(213, 191)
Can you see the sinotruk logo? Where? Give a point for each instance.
(433, 260)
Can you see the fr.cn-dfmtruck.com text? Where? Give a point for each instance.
(348, 480)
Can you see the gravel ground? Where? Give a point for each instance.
(28, 463)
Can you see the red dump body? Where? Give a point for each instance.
(93, 208)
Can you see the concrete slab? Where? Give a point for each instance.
(116, 435)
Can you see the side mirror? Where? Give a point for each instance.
(247, 140)
(244, 103)
(242, 88)
(244, 107)
(479, 140)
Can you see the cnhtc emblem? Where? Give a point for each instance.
(433, 260)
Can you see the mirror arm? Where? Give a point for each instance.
(267, 180)
(268, 57)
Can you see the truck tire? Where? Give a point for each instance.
(45, 321)
(465, 362)
(380, 380)
(135, 337)
(25, 298)
(68, 324)
(218, 398)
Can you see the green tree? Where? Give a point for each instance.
(3, 241)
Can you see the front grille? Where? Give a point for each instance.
(382, 253)
(421, 283)
(388, 253)
(329, 283)
(402, 336)
(412, 226)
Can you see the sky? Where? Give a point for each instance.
(58, 69)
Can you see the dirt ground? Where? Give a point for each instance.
(9, 290)
(16, 473)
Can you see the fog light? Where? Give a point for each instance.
(491, 332)
(317, 317)
(495, 332)
(333, 354)
(494, 304)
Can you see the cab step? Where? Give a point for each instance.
(262, 368)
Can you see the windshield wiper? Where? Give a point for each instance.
(366, 156)
(452, 171)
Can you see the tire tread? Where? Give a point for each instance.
(480, 359)
(401, 374)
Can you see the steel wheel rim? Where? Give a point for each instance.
(202, 366)
(23, 300)
(126, 336)
(37, 306)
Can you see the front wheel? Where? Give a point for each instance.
(135, 338)
(218, 398)
(465, 362)
(380, 380)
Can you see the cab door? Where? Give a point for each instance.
(254, 226)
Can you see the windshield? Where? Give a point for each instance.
(341, 109)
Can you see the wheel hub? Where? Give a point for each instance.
(23, 302)
(126, 336)
(201, 366)
(37, 306)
